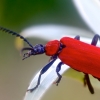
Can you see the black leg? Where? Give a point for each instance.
(58, 68)
(44, 69)
(88, 83)
(95, 39)
(77, 37)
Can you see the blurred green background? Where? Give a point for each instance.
(16, 74)
(18, 14)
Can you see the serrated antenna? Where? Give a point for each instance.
(16, 34)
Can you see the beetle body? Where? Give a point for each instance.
(78, 55)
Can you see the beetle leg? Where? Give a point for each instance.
(58, 68)
(77, 37)
(88, 83)
(86, 76)
(44, 69)
(95, 39)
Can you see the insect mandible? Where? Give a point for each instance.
(78, 55)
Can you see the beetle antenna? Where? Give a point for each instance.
(16, 34)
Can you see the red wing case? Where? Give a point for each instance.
(81, 56)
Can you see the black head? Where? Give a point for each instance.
(33, 50)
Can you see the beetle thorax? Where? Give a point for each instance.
(52, 47)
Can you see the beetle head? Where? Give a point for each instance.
(35, 50)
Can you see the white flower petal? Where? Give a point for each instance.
(46, 80)
(51, 31)
(90, 12)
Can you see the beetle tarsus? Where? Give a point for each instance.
(58, 68)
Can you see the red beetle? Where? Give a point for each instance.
(78, 55)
